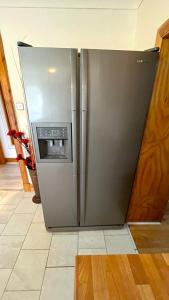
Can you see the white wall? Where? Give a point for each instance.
(8, 147)
(151, 14)
(53, 27)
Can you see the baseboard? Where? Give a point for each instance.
(10, 159)
(143, 223)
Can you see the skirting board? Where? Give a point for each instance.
(10, 159)
(143, 223)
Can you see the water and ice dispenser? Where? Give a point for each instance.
(53, 142)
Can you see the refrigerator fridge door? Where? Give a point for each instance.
(115, 94)
(49, 77)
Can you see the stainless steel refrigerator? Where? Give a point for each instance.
(87, 113)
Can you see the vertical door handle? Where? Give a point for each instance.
(73, 65)
(83, 143)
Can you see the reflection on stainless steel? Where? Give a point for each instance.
(52, 70)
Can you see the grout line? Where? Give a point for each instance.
(94, 248)
(140, 4)
(54, 234)
(105, 242)
(13, 291)
(45, 267)
(60, 267)
(6, 282)
(12, 235)
(87, 248)
(18, 253)
(14, 264)
(6, 190)
(34, 249)
(13, 213)
(77, 245)
(121, 234)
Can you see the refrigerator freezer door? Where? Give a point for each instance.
(115, 94)
(49, 77)
(46, 76)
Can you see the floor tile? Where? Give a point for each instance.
(2, 194)
(92, 252)
(6, 207)
(28, 194)
(9, 250)
(119, 244)
(5, 216)
(12, 198)
(63, 250)
(91, 239)
(31, 295)
(2, 226)
(116, 231)
(26, 206)
(58, 284)
(11, 241)
(18, 224)
(65, 232)
(28, 271)
(38, 218)
(8, 257)
(37, 237)
(4, 276)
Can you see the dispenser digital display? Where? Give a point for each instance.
(52, 133)
(53, 142)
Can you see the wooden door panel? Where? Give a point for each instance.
(151, 187)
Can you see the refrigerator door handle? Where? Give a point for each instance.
(83, 96)
(73, 61)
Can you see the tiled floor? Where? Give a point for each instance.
(36, 264)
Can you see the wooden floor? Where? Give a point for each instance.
(122, 277)
(152, 238)
(10, 178)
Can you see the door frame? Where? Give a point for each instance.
(9, 107)
(162, 33)
(149, 197)
(2, 157)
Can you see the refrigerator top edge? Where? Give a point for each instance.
(47, 48)
(122, 51)
(92, 49)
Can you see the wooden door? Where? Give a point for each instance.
(151, 187)
(2, 158)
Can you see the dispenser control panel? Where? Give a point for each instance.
(56, 133)
(53, 142)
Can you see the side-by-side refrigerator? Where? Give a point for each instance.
(87, 114)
